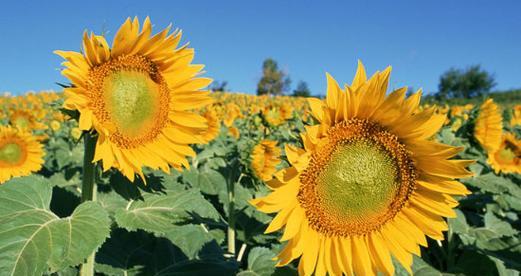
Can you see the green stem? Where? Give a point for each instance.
(88, 190)
(231, 217)
(231, 213)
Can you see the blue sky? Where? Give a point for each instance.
(420, 39)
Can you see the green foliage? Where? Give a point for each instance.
(468, 83)
(273, 80)
(158, 213)
(506, 98)
(34, 239)
(260, 262)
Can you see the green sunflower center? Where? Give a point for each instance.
(359, 179)
(11, 153)
(21, 122)
(132, 97)
(506, 154)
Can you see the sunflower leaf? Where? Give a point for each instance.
(260, 262)
(159, 212)
(34, 239)
(209, 182)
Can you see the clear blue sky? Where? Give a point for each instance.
(420, 39)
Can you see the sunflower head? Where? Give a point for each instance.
(489, 126)
(214, 125)
(507, 158)
(20, 153)
(234, 132)
(138, 95)
(515, 120)
(25, 119)
(265, 157)
(369, 183)
(233, 112)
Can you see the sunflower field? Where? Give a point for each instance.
(136, 169)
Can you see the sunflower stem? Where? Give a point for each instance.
(88, 190)
(231, 217)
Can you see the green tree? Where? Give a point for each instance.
(302, 90)
(273, 81)
(467, 83)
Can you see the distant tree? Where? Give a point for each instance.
(468, 83)
(217, 86)
(273, 81)
(302, 90)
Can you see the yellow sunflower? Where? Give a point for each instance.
(20, 153)
(507, 158)
(286, 111)
(264, 159)
(25, 119)
(489, 126)
(370, 183)
(137, 95)
(234, 132)
(516, 116)
(232, 112)
(214, 125)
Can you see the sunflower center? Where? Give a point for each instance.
(11, 153)
(358, 179)
(130, 98)
(21, 122)
(506, 154)
(509, 152)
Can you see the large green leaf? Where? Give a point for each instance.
(494, 184)
(501, 227)
(158, 212)
(209, 182)
(260, 262)
(195, 241)
(33, 238)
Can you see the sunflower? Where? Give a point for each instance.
(234, 132)
(214, 125)
(232, 112)
(370, 183)
(25, 119)
(264, 159)
(456, 124)
(137, 95)
(273, 116)
(286, 111)
(20, 153)
(507, 158)
(516, 116)
(55, 125)
(75, 133)
(489, 126)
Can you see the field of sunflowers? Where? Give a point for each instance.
(135, 169)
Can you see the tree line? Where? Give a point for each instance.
(455, 83)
